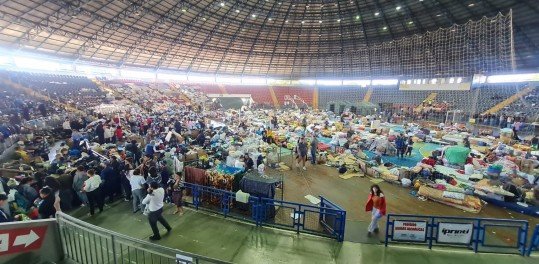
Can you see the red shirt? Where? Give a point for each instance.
(378, 202)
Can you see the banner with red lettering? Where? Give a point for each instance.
(415, 231)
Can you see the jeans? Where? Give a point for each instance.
(376, 215)
(313, 156)
(155, 216)
(138, 196)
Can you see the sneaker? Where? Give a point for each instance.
(304, 168)
(153, 238)
(126, 200)
(169, 229)
(369, 234)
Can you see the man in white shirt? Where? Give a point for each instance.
(154, 201)
(137, 190)
(93, 191)
(67, 127)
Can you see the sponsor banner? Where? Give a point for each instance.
(454, 233)
(465, 86)
(409, 230)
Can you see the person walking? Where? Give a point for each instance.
(93, 191)
(154, 201)
(376, 203)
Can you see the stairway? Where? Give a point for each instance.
(508, 101)
(273, 97)
(315, 98)
(222, 88)
(430, 97)
(368, 95)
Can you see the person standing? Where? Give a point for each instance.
(314, 148)
(67, 127)
(100, 131)
(177, 193)
(4, 217)
(78, 182)
(45, 207)
(93, 191)
(136, 180)
(400, 143)
(376, 203)
(302, 152)
(154, 201)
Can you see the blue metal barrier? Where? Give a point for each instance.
(534, 243)
(326, 220)
(455, 231)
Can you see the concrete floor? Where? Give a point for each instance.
(228, 240)
(232, 241)
(351, 194)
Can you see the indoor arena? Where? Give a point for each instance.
(269, 131)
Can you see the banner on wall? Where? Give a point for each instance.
(409, 231)
(455, 233)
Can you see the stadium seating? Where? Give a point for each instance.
(68, 89)
(260, 94)
(340, 93)
(305, 93)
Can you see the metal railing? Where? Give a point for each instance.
(87, 244)
(534, 243)
(485, 234)
(327, 220)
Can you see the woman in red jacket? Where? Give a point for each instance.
(377, 204)
(119, 133)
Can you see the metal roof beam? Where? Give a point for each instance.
(209, 37)
(73, 9)
(256, 38)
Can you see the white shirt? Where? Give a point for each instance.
(155, 199)
(92, 183)
(66, 125)
(136, 181)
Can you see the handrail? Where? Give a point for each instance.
(479, 227)
(144, 244)
(260, 205)
(534, 243)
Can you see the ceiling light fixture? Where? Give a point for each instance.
(439, 15)
(471, 5)
(222, 3)
(411, 22)
(320, 21)
(302, 22)
(253, 15)
(184, 10)
(237, 10)
(357, 17)
(384, 28)
(339, 20)
(398, 8)
(377, 14)
(286, 21)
